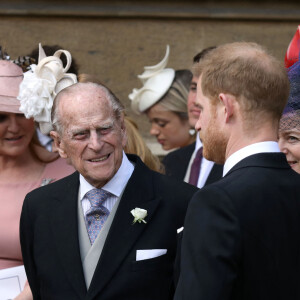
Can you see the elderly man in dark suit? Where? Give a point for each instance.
(108, 231)
(188, 163)
(241, 237)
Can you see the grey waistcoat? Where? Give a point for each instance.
(90, 254)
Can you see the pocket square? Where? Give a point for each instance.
(147, 254)
(179, 229)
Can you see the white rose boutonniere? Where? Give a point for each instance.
(139, 215)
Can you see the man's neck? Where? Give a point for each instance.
(240, 140)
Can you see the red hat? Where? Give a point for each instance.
(292, 53)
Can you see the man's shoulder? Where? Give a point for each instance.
(44, 200)
(173, 185)
(262, 179)
(176, 162)
(176, 194)
(146, 179)
(51, 188)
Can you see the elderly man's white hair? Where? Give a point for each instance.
(116, 105)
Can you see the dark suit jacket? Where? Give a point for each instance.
(241, 238)
(50, 245)
(177, 162)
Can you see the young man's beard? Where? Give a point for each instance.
(214, 144)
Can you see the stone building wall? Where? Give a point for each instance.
(116, 39)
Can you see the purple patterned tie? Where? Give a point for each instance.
(97, 214)
(195, 169)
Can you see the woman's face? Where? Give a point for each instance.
(16, 133)
(170, 131)
(289, 144)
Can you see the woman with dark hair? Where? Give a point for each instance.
(163, 98)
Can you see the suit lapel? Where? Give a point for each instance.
(183, 160)
(123, 234)
(65, 232)
(177, 162)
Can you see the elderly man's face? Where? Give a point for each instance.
(92, 138)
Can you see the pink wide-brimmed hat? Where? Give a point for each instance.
(11, 77)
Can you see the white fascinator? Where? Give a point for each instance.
(41, 84)
(156, 82)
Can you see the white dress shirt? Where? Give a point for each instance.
(262, 147)
(115, 186)
(206, 166)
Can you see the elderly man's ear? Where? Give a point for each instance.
(57, 144)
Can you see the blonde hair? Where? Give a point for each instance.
(136, 145)
(175, 99)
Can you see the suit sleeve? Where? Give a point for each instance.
(27, 242)
(210, 247)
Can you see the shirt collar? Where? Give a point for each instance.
(116, 185)
(262, 147)
(198, 142)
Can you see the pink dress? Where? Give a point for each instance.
(11, 199)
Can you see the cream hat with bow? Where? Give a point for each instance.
(41, 84)
(156, 82)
